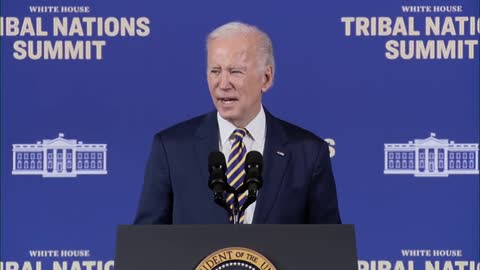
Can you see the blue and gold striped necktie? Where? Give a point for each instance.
(236, 168)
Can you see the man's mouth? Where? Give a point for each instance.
(227, 100)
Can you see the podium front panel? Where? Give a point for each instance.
(288, 247)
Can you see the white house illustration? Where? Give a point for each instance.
(431, 157)
(59, 157)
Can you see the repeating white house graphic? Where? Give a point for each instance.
(431, 157)
(59, 157)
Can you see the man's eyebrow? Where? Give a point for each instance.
(237, 67)
(227, 68)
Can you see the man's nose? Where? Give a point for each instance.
(224, 80)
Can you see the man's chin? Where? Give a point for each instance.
(229, 115)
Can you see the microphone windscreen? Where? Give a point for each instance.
(254, 158)
(216, 159)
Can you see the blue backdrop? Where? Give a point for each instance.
(342, 87)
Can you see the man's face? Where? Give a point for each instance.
(236, 78)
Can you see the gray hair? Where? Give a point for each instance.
(234, 28)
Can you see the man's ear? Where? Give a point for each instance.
(267, 78)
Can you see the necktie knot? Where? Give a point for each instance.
(239, 133)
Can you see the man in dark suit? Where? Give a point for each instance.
(298, 184)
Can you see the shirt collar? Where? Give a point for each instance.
(256, 127)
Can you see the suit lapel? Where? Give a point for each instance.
(275, 159)
(206, 142)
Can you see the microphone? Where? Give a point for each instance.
(253, 179)
(217, 168)
(253, 168)
(218, 181)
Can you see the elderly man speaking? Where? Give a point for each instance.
(298, 184)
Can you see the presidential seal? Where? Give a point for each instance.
(235, 258)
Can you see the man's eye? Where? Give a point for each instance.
(215, 71)
(236, 71)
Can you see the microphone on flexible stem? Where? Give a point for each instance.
(218, 180)
(253, 178)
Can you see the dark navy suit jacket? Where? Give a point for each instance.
(298, 186)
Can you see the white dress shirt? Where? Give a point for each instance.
(254, 141)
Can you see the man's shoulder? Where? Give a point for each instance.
(299, 134)
(187, 128)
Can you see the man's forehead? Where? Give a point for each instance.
(242, 53)
(240, 49)
(237, 41)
